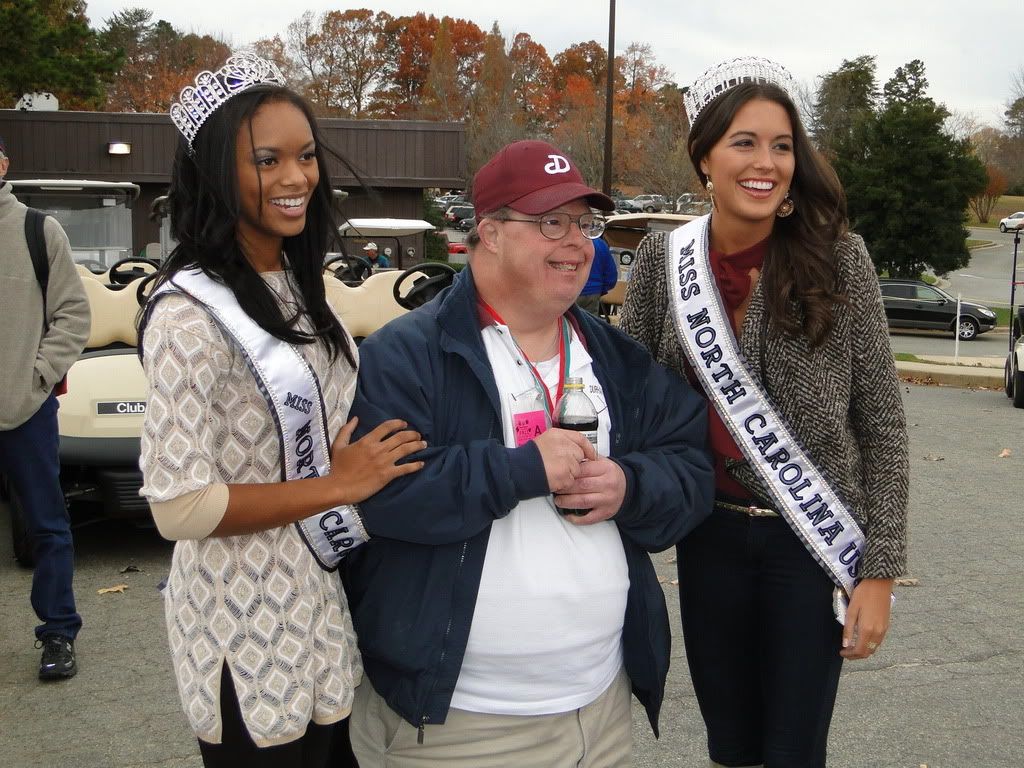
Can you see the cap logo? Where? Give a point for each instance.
(558, 164)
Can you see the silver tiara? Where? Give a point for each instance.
(728, 74)
(212, 89)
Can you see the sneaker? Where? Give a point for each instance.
(58, 660)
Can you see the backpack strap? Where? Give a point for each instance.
(36, 239)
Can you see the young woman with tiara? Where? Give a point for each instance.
(773, 307)
(246, 451)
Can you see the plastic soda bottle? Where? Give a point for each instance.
(574, 410)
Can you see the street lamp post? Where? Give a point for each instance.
(606, 185)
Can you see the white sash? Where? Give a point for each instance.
(294, 398)
(807, 502)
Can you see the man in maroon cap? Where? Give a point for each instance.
(497, 627)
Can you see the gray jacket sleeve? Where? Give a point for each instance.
(67, 310)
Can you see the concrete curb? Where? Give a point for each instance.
(952, 375)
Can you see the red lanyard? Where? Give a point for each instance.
(563, 358)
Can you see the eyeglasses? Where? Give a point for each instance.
(555, 226)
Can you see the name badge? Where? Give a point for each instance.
(529, 425)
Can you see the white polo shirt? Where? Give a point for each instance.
(546, 635)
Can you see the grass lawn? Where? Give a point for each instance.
(1004, 206)
(977, 243)
(906, 357)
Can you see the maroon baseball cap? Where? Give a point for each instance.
(532, 177)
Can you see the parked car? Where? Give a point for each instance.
(649, 203)
(915, 304)
(464, 225)
(444, 202)
(1013, 221)
(695, 205)
(457, 213)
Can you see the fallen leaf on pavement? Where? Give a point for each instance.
(674, 582)
(131, 569)
(119, 588)
(933, 457)
(907, 581)
(1005, 453)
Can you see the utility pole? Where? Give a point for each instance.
(609, 94)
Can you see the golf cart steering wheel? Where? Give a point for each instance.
(355, 270)
(93, 265)
(434, 277)
(120, 276)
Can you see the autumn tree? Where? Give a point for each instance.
(494, 118)
(443, 98)
(339, 55)
(580, 130)
(408, 46)
(47, 45)
(159, 60)
(985, 199)
(532, 73)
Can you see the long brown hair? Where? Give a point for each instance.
(799, 269)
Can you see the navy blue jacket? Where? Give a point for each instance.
(412, 588)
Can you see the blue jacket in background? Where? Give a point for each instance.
(412, 588)
(603, 272)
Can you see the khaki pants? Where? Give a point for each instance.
(595, 736)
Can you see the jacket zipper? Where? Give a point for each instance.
(444, 643)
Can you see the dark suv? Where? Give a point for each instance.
(914, 304)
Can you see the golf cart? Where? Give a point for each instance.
(100, 417)
(623, 233)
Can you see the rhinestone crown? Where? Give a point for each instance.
(213, 89)
(728, 74)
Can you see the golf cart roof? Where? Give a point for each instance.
(628, 229)
(78, 185)
(384, 227)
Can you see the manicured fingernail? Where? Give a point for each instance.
(846, 643)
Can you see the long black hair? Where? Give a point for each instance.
(800, 267)
(205, 209)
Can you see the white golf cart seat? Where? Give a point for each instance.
(367, 307)
(114, 313)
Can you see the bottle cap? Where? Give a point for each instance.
(574, 382)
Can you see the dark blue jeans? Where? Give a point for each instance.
(29, 459)
(761, 641)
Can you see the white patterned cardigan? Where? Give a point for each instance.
(842, 399)
(257, 602)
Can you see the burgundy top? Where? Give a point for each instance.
(731, 273)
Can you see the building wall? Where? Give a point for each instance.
(397, 158)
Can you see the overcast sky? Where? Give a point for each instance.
(970, 49)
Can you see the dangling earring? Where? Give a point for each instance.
(785, 208)
(711, 193)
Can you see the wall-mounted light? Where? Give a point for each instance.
(119, 147)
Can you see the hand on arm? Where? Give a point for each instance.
(358, 470)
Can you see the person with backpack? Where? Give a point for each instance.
(44, 324)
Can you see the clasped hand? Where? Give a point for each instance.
(579, 477)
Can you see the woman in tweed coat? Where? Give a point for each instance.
(763, 645)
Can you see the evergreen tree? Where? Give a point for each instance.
(908, 182)
(844, 98)
(47, 45)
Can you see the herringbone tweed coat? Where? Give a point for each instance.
(841, 400)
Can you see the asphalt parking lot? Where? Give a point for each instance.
(945, 691)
